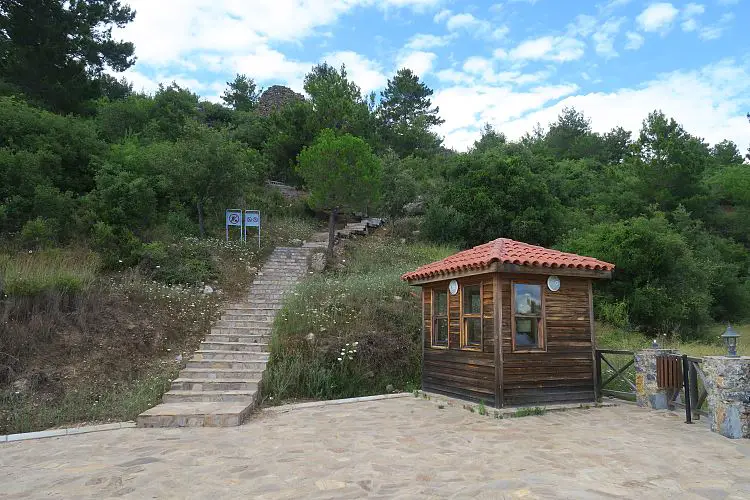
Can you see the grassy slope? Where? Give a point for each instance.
(76, 346)
(362, 301)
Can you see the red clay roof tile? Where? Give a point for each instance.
(506, 251)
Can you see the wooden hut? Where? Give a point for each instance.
(509, 323)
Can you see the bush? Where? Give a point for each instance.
(37, 234)
(187, 262)
(657, 277)
(118, 246)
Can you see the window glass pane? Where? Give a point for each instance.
(528, 299)
(441, 304)
(441, 331)
(472, 300)
(527, 332)
(473, 331)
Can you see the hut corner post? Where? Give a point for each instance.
(593, 342)
(498, 313)
(421, 375)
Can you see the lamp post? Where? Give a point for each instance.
(730, 340)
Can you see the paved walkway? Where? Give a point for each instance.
(396, 448)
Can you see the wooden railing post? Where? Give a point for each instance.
(598, 375)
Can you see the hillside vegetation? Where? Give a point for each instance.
(355, 330)
(112, 213)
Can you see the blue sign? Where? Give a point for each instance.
(252, 218)
(234, 218)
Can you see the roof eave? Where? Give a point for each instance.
(507, 268)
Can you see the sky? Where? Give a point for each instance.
(512, 64)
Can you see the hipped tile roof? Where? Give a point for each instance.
(506, 251)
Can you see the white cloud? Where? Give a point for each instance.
(546, 48)
(420, 62)
(635, 40)
(689, 14)
(269, 65)
(657, 17)
(584, 25)
(714, 31)
(422, 41)
(442, 15)
(466, 108)
(363, 71)
(604, 37)
(477, 65)
(710, 102)
(501, 32)
(693, 9)
(467, 22)
(236, 35)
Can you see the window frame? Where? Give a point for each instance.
(465, 331)
(542, 335)
(435, 317)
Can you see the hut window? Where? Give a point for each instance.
(472, 316)
(528, 317)
(440, 318)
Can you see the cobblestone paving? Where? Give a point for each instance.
(397, 448)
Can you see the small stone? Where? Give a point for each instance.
(318, 262)
(296, 242)
(397, 298)
(389, 388)
(208, 289)
(310, 337)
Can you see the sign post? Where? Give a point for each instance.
(234, 218)
(252, 219)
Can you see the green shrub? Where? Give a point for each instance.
(184, 262)
(658, 277)
(118, 246)
(407, 227)
(37, 234)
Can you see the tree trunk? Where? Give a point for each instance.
(201, 224)
(332, 230)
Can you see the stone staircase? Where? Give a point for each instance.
(220, 384)
(359, 228)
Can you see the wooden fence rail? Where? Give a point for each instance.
(618, 378)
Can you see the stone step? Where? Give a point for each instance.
(243, 330)
(222, 373)
(228, 355)
(242, 323)
(199, 414)
(208, 345)
(211, 385)
(248, 317)
(209, 396)
(251, 307)
(250, 339)
(227, 364)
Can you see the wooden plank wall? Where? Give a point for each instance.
(565, 372)
(466, 374)
(460, 374)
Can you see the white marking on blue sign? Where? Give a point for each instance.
(252, 218)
